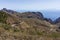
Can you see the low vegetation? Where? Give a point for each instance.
(3, 17)
(26, 27)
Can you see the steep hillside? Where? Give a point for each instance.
(27, 26)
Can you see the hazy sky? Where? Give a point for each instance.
(30, 4)
(34, 5)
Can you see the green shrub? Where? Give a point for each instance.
(39, 33)
(6, 26)
(3, 17)
(55, 35)
(16, 30)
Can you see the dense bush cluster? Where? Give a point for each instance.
(3, 17)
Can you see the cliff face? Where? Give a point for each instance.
(27, 26)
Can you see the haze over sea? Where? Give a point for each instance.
(49, 8)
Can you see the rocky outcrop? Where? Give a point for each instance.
(37, 15)
(8, 11)
(57, 20)
(48, 20)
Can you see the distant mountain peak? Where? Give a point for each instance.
(57, 20)
(8, 10)
(4, 9)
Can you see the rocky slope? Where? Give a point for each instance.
(27, 26)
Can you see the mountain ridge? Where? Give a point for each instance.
(27, 26)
